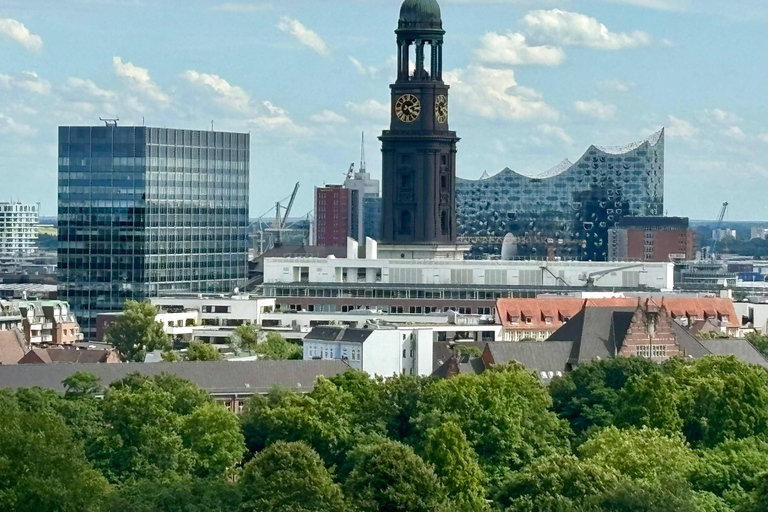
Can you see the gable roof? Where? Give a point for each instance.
(346, 334)
(216, 377)
(540, 356)
(12, 347)
(64, 355)
(740, 348)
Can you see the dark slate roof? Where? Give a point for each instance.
(595, 332)
(347, 334)
(457, 365)
(540, 356)
(742, 349)
(216, 377)
(442, 351)
(64, 355)
(691, 346)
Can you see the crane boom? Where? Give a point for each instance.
(717, 226)
(290, 205)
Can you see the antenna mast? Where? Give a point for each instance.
(362, 153)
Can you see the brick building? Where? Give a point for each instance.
(651, 239)
(332, 215)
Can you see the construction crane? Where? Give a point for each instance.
(591, 278)
(717, 226)
(280, 221)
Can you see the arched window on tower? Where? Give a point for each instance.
(444, 222)
(406, 227)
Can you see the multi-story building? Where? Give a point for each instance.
(372, 217)
(722, 233)
(18, 228)
(651, 239)
(49, 322)
(363, 195)
(567, 210)
(758, 232)
(145, 211)
(333, 204)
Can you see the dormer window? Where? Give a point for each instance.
(513, 319)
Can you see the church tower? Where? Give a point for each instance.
(419, 151)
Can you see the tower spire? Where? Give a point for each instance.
(362, 153)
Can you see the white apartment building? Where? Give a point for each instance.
(18, 227)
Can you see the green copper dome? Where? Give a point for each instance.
(424, 13)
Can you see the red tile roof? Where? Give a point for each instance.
(560, 308)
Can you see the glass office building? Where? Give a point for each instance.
(566, 211)
(149, 211)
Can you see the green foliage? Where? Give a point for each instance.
(197, 351)
(277, 347)
(170, 356)
(755, 248)
(504, 412)
(455, 463)
(644, 453)
(246, 338)
(651, 400)
(465, 349)
(42, 466)
(289, 477)
(388, 475)
(645, 496)
(47, 242)
(213, 434)
(135, 332)
(555, 483)
(759, 341)
(712, 335)
(81, 384)
(591, 395)
(188, 495)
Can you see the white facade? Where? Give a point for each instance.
(755, 311)
(655, 275)
(219, 311)
(758, 232)
(18, 227)
(720, 233)
(384, 352)
(362, 186)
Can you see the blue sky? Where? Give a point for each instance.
(533, 82)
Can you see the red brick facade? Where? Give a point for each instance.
(651, 334)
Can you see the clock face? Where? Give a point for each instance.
(441, 108)
(407, 108)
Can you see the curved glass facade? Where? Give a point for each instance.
(143, 211)
(567, 211)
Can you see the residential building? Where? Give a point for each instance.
(148, 211)
(566, 211)
(333, 204)
(18, 227)
(651, 239)
(69, 355)
(231, 383)
(49, 322)
(539, 318)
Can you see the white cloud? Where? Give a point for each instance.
(595, 108)
(276, 119)
(616, 85)
(556, 132)
(763, 137)
(560, 27)
(722, 117)
(231, 96)
(368, 71)
(83, 88)
(513, 49)
(495, 94)
(681, 128)
(139, 79)
(16, 31)
(244, 7)
(328, 117)
(9, 125)
(734, 132)
(28, 80)
(304, 35)
(370, 108)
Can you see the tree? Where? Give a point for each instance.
(289, 477)
(556, 483)
(81, 384)
(213, 434)
(644, 453)
(277, 347)
(759, 341)
(42, 466)
(651, 400)
(456, 465)
(197, 351)
(187, 495)
(135, 332)
(591, 395)
(388, 475)
(245, 338)
(170, 356)
(504, 412)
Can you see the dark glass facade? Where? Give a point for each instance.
(145, 211)
(567, 211)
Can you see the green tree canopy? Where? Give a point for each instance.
(245, 338)
(388, 475)
(289, 477)
(197, 351)
(277, 347)
(759, 341)
(82, 384)
(135, 332)
(187, 495)
(651, 400)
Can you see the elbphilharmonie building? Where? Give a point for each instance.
(566, 211)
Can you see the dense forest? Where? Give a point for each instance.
(618, 435)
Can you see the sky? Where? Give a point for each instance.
(532, 82)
